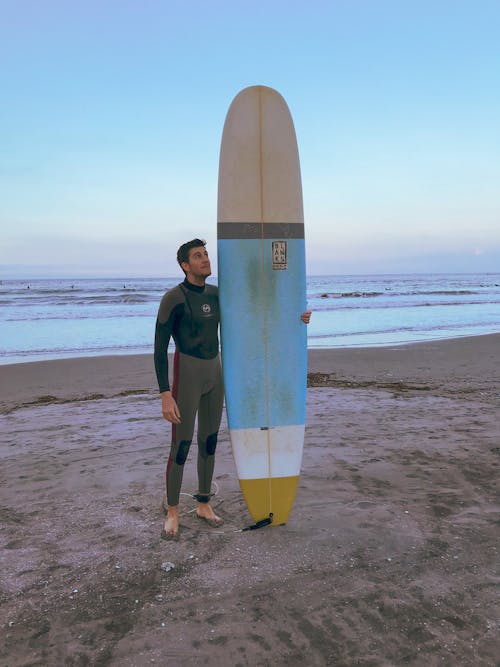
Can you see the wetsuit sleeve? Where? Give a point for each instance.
(168, 314)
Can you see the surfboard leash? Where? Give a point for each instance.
(195, 496)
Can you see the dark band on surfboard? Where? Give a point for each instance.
(259, 230)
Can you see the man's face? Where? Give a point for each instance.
(199, 263)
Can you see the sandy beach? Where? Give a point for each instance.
(391, 556)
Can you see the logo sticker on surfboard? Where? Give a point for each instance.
(280, 260)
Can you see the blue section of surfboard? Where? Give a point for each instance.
(262, 289)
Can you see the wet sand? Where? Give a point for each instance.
(391, 555)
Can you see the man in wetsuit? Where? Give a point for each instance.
(190, 313)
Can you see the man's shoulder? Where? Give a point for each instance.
(172, 298)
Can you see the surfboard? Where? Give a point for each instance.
(262, 294)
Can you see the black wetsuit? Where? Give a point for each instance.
(190, 314)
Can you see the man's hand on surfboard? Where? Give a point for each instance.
(169, 408)
(306, 317)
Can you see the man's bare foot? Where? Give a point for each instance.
(171, 527)
(205, 512)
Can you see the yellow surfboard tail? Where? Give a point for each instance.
(267, 496)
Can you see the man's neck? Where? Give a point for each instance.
(198, 281)
(193, 286)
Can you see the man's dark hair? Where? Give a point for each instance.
(183, 252)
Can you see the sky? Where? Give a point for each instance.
(111, 116)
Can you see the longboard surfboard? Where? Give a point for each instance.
(262, 292)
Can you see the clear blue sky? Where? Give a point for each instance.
(111, 114)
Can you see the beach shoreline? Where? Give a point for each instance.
(87, 377)
(390, 557)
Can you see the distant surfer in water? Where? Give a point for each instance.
(190, 314)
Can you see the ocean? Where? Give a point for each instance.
(55, 318)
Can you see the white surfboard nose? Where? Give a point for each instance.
(259, 162)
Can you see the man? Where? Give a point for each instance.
(190, 313)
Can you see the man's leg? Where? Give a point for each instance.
(186, 395)
(209, 418)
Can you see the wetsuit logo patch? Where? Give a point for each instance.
(280, 260)
(206, 308)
